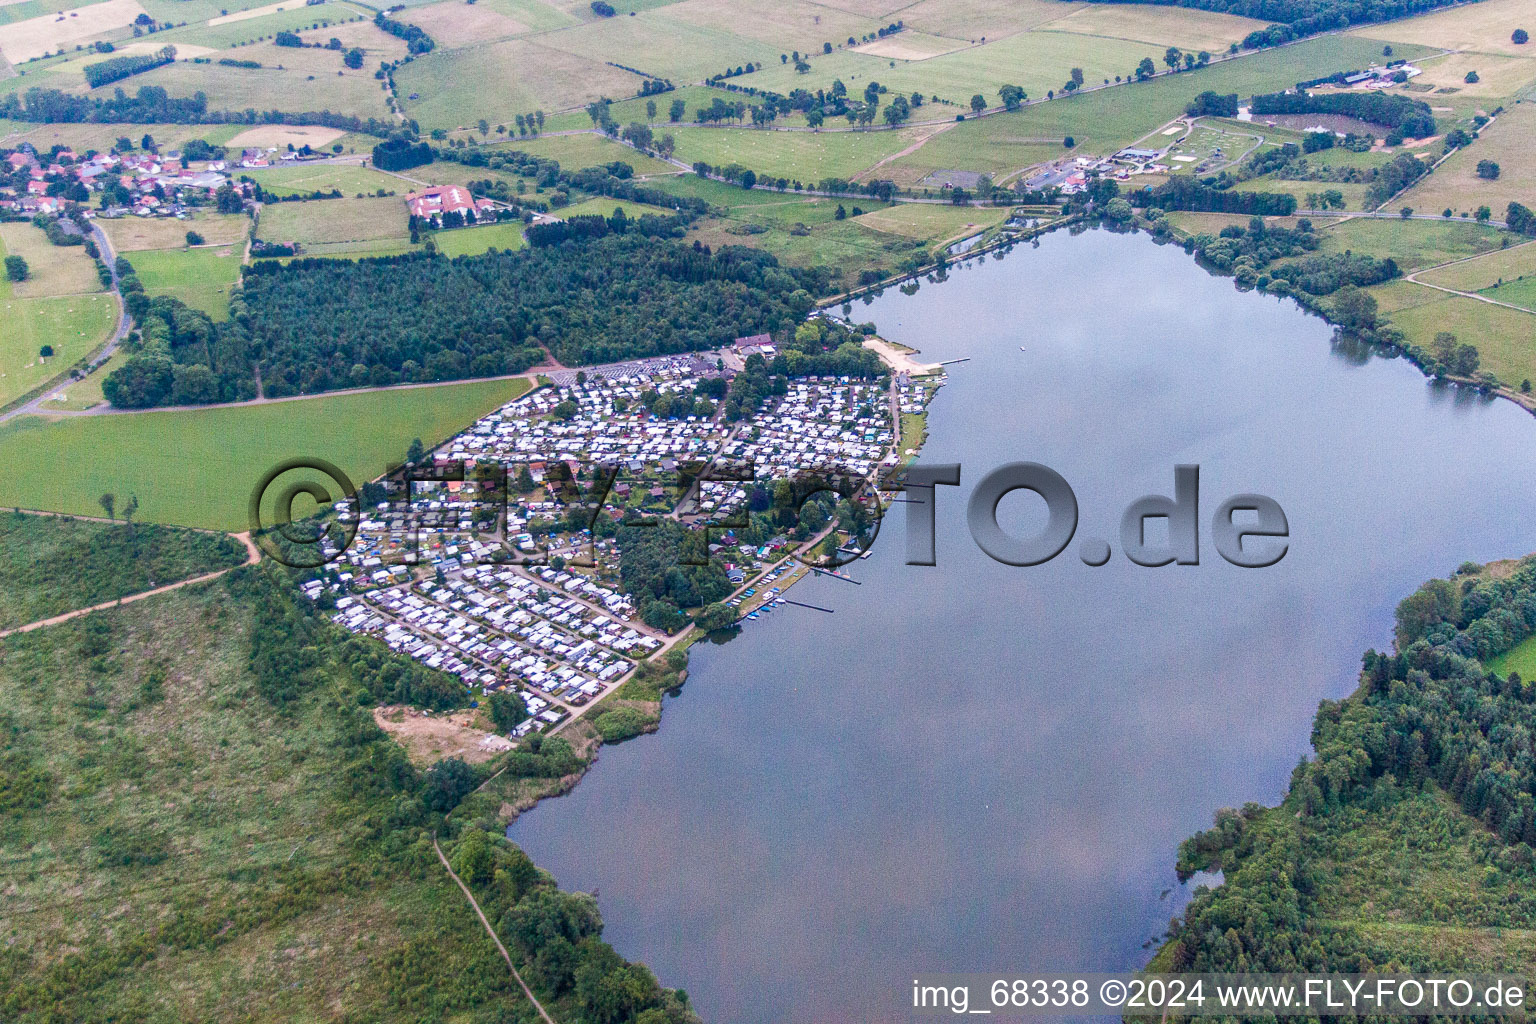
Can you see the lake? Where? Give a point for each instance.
(976, 767)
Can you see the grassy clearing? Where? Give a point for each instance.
(202, 277)
(306, 178)
(50, 565)
(171, 790)
(1520, 658)
(72, 325)
(52, 269)
(131, 234)
(974, 20)
(248, 31)
(805, 156)
(334, 220)
(474, 241)
(197, 468)
(1413, 243)
(1509, 142)
(453, 23)
(81, 137)
(933, 223)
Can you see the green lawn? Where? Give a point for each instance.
(332, 221)
(1504, 338)
(199, 277)
(473, 241)
(197, 468)
(1516, 293)
(73, 325)
(1520, 658)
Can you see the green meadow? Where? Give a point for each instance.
(198, 467)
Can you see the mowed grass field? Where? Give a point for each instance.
(268, 88)
(197, 468)
(323, 221)
(1414, 244)
(474, 241)
(201, 277)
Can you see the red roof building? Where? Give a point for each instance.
(434, 202)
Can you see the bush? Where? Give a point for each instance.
(16, 269)
(620, 724)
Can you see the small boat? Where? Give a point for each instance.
(1023, 349)
(752, 615)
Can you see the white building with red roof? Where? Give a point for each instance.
(434, 202)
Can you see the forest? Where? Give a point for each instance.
(1418, 808)
(317, 324)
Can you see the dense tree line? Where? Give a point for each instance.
(1304, 17)
(416, 40)
(398, 154)
(665, 566)
(181, 357)
(1253, 256)
(151, 104)
(1428, 719)
(1183, 192)
(116, 68)
(1213, 104)
(318, 324)
(1520, 218)
(1407, 117)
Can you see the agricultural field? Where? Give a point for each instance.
(1515, 293)
(48, 31)
(81, 137)
(1497, 76)
(453, 23)
(1105, 120)
(302, 84)
(130, 234)
(53, 269)
(333, 221)
(201, 277)
(1484, 27)
(806, 156)
(1509, 142)
(455, 88)
(1188, 29)
(197, 468)
(476, 240)
(661, 46)
(303, 179)
(933, 222)
(245, 28)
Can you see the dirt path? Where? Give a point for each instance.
(491, 932)
(919, 144)
(253, 555)
(1414, 277)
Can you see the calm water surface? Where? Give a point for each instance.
(973, 767)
